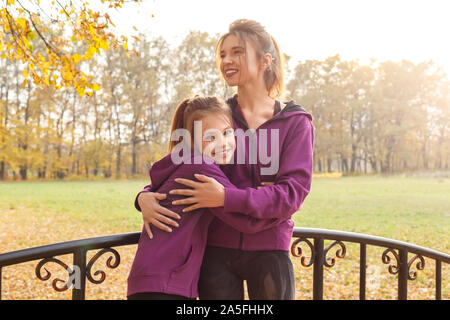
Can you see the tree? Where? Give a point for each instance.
(388, 118)
(24, 23)
(196, 71)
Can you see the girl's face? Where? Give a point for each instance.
(239, 65)
(217, 139)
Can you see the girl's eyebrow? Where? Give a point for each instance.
(235, 47)
(211, 130)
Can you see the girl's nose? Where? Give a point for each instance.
(226, 60)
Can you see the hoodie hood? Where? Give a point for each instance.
(290, 109)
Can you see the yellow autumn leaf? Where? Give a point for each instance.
(81, 91)
(95, 87)
(91, 51)
(25, 73)
(21, 22)
(36, 78)
(67, 75)
(125, 46)
(104, 45)
(91, 30)
(76, 57)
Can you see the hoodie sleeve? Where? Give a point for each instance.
(147, 188)
(292, 182)
(237, 220)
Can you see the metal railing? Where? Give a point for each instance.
(313, 238)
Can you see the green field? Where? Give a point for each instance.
(415, 210)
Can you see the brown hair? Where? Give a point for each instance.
(264, 43)
(190, 110)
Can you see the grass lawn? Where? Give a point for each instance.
(415, 210)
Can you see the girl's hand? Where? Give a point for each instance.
(264, 184)
(205, 194)
(154, 214)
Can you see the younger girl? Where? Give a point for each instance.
(168, 266)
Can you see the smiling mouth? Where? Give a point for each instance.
(230, 72)
(222, 153)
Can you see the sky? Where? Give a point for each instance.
(364, 29)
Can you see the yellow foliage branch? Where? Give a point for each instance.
(59, 68)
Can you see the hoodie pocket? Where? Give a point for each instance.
(186, 262)
(182, 276)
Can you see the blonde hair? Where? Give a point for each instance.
(264, 43)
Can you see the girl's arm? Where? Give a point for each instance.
(147, 188)
(237, 220)
(292, 182)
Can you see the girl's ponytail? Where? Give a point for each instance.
(274, 76)
(178, 121)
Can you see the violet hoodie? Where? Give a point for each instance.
(171, 261)
(292, 182)
(279, 201)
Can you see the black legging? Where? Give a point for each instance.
(269, 275)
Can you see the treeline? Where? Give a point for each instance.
(389, 117)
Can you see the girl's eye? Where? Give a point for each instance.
(229, 132)
(209, 138)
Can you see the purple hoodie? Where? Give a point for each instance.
(170, 262)
(279, 201)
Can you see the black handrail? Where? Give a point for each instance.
(369, 239)
(398, 249)
(68, 247)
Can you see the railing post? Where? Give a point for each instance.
(79, 264)
(438, 280)
(403, 275)
(0, 282)
(318, 269)
(362, 271)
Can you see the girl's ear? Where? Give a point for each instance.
(266, 61)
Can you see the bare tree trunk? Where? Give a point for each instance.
(24, 166)
(118, 139)
(353, 159)
(345, 165)
(329, 162)
(74, 119)
(424, 155)
(5, 125)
